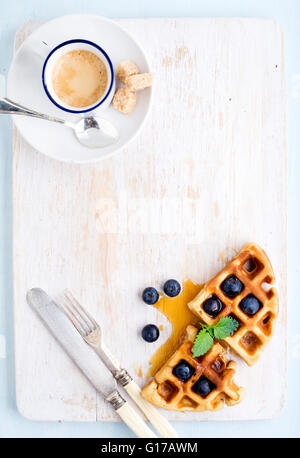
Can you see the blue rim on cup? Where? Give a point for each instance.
(108, 92)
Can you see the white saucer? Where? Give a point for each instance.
(24, 85)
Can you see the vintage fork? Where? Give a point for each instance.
(91, 333)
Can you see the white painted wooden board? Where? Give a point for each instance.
(206, 175)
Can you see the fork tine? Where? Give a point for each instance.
(84, 313)
(72, 317)
(88, 328)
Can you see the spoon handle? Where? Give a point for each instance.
(9, 107)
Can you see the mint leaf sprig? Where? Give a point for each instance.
(205, 337)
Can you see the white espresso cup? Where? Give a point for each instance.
(72, 45)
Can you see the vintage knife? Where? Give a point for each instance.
(86, 359)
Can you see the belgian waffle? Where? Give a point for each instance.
(253, 268)
(169, 392)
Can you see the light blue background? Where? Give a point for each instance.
(16, 12)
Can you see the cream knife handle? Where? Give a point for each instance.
(159, 422)
(134, 421)
(130, 417)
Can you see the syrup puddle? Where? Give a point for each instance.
(179, 315)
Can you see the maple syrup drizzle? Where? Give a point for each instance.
(179, 315)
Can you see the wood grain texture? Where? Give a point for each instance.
(206, 175)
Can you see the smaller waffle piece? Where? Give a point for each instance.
(242, 290)
(192, 384)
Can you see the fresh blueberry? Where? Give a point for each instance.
(212, 306)
(150, 295)
(250, 305)
(203, 386)
(172, 288)
(183, 370)
(232, 286)
(150, 333)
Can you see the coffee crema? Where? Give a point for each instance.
(79, 78)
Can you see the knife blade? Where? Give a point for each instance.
(67, 336)
(85, 358)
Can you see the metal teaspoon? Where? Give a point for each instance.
(91, 131)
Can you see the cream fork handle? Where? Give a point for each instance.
(135, 421)
(159, 422)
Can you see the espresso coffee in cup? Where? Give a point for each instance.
(79, 78)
